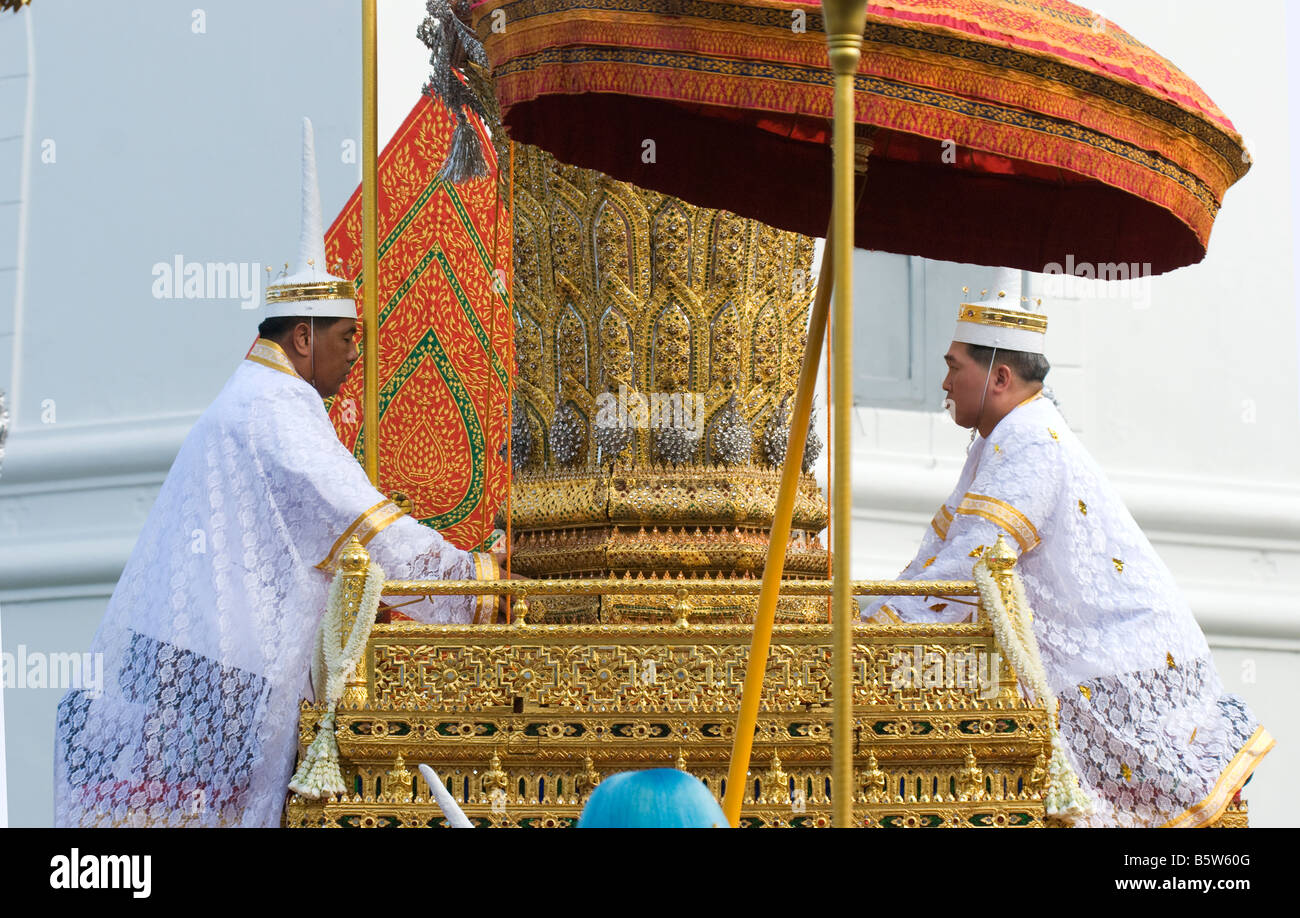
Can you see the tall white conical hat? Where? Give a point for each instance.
(446, 802)
(1001, 319)
(311, 290)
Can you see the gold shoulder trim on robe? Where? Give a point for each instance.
(1003, 514)
(884, 616)
(269, 354)
(365, 527)
(942, 520)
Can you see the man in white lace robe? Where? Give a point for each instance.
(1151, 733)
(208, 637)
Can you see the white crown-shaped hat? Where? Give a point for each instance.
(1002, 319)
(311, 290)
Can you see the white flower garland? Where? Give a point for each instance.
(1064, 798)
(319, 774)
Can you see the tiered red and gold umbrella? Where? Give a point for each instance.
(1003, 132)
(1017, 133)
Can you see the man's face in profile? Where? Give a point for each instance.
(336, 349)
(964, 384)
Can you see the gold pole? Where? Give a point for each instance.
(355, 564)
(756, 667)
(370, 235)
(844, 22)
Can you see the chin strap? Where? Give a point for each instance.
(983, 395)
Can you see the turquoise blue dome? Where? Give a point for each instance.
(661, 798)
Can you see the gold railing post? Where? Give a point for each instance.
(844, 22)
(519, 611)
(354, 562)
(1002, 561)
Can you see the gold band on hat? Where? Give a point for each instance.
(1005, 318)
(315, 290)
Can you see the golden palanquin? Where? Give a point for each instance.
(522, 721)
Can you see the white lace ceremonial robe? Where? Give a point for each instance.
(1151, 732)
(208, 637)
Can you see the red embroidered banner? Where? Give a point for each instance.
(445, 363)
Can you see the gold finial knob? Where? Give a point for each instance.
(519, 611)
(1000, 557)
(354, 559)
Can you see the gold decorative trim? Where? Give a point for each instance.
(1003, 318)
(317, 290)
(365, 527)
(485, 568)
(941, 521)
(1003, 514)
(269, 354)
(885, 616)
(1234, 776)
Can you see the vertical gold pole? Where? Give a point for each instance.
(370, 233)
(756, 667)
(844, 22)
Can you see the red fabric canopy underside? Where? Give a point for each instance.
(914, 202)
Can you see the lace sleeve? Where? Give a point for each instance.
(1012, 495)
(408, 550)
(879, 610)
